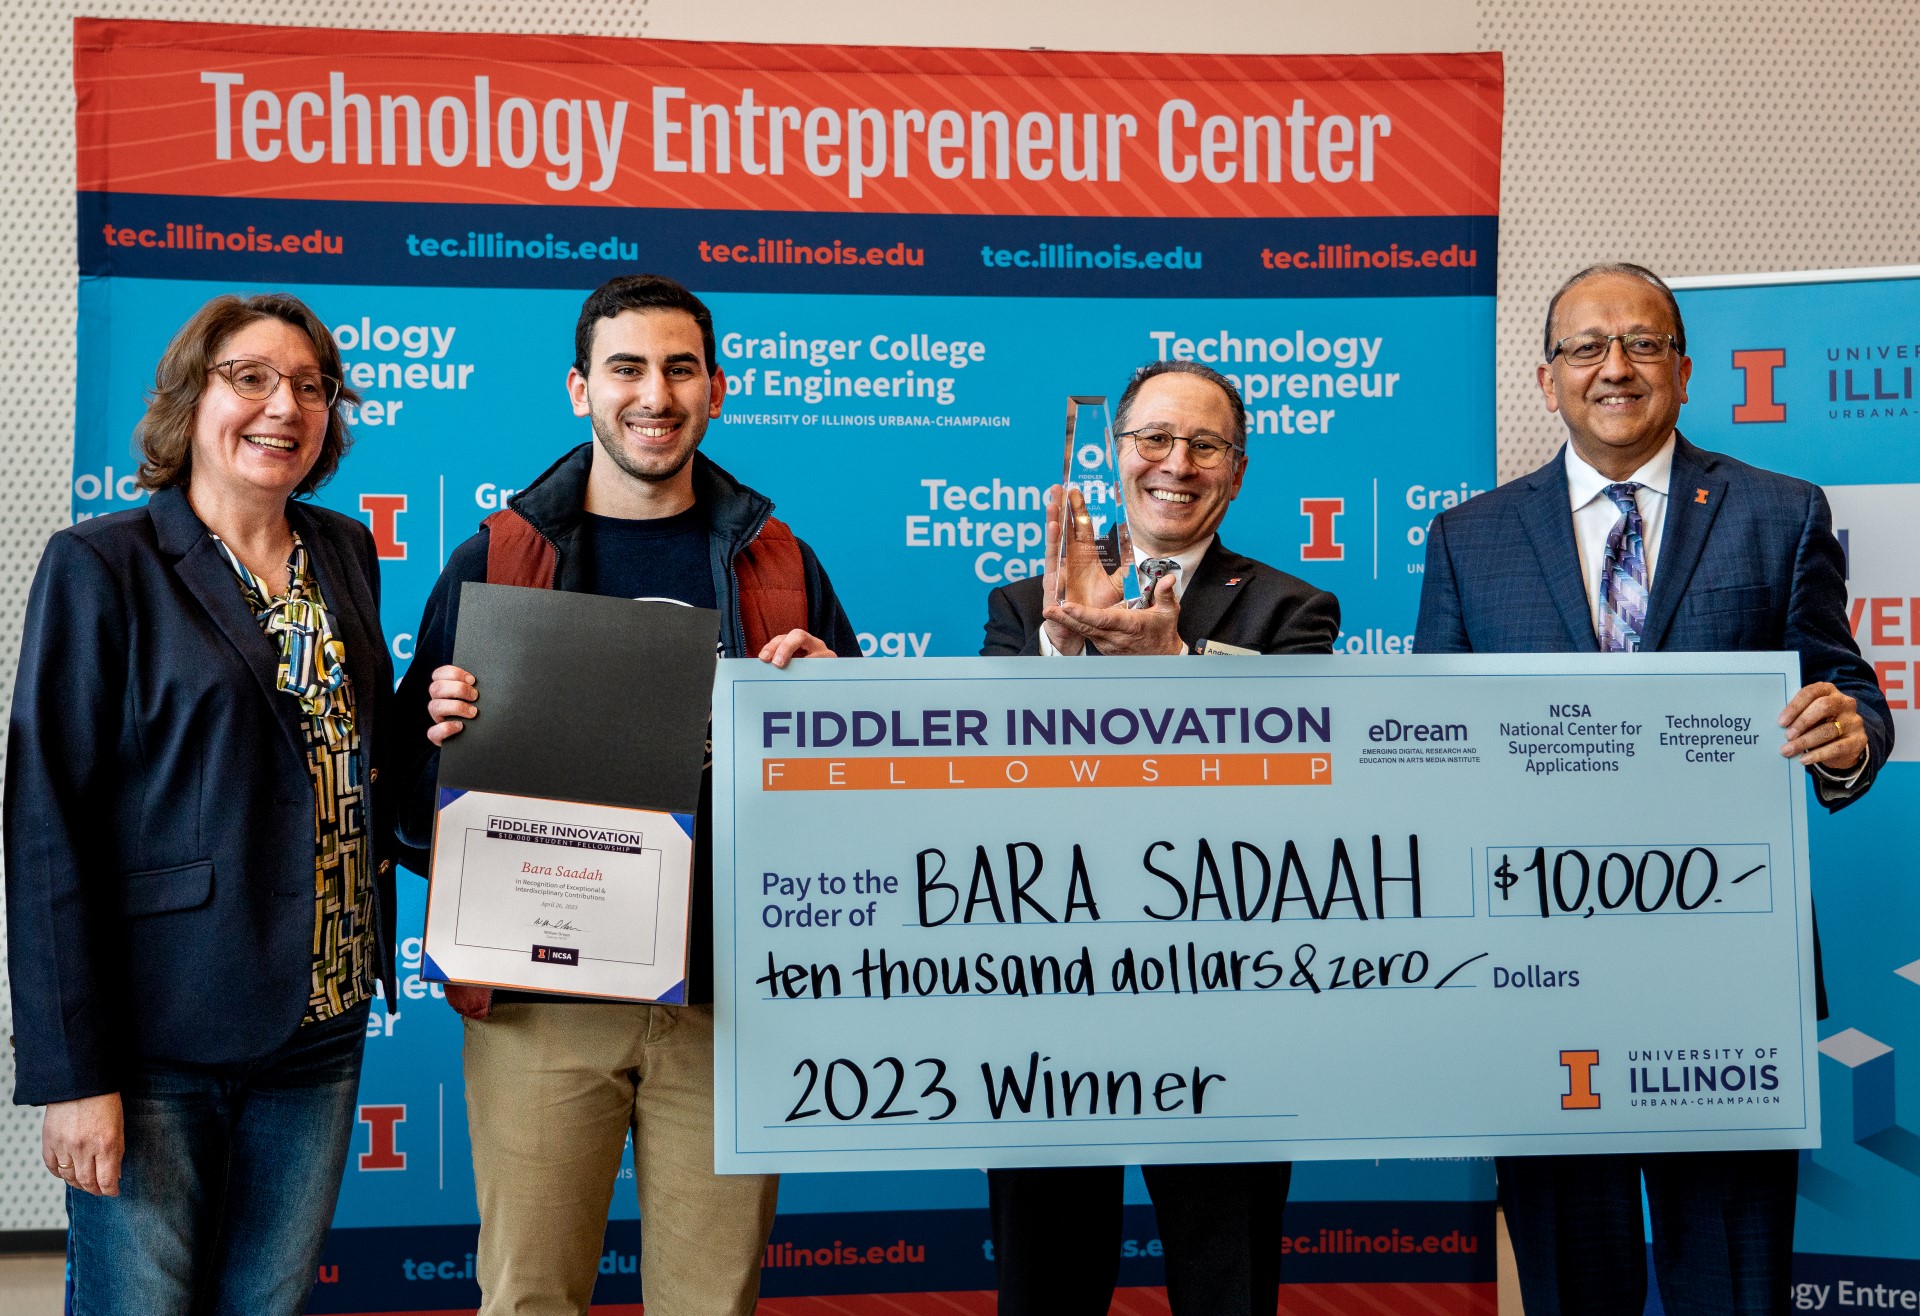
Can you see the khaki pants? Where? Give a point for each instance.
(551, 1092)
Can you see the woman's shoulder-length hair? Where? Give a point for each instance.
(164, 436)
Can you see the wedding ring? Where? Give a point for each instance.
(63, 1165)
(1838, 734)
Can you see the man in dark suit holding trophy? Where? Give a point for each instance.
(1181, 432)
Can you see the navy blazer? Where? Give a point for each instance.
(1231, 598)
(159, 809)
(1748, 561)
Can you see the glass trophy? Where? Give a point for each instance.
(1093, 561)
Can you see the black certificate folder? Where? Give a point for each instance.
(563, 837)
(599, 700)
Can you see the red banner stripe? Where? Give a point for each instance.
(218, 110)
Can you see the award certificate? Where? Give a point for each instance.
(555, 896)
(563, 835)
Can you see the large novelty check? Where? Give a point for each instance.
(998, 912)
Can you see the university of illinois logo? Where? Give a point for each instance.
(1580, 1066)
(383, 518)
(1757, 366)
(383, 1152)
(1322, 544)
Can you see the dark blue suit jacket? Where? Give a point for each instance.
(1751, 565)
(159, 810)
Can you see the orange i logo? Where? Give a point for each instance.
(1580, 1094)
(1756, 368)
(1321, 545)
(382, 1153)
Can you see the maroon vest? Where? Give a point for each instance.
(773, 578)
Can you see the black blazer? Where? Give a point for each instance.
(159, 811)
(1231, 598)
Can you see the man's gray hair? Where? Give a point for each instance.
(1154, 369)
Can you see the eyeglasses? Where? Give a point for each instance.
(1591, 349)
(1204, 449)
(256, 380)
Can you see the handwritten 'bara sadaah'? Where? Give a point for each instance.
(1230, 881)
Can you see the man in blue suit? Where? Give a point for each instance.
(1633, 539)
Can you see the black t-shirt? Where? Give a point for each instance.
(667, 558)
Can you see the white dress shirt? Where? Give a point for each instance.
(1595, 515)
(1187, 562)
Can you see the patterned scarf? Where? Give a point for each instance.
(313, 662)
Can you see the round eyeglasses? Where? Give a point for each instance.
(256, 380)
(1204, 450)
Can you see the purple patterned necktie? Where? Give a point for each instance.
(1623, 576)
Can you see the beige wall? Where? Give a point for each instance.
(1700, 138)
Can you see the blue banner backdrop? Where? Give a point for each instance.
(1814, 375)
(1363, 339)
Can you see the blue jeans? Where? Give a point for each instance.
(228, 1185)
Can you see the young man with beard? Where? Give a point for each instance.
(555, 1084)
